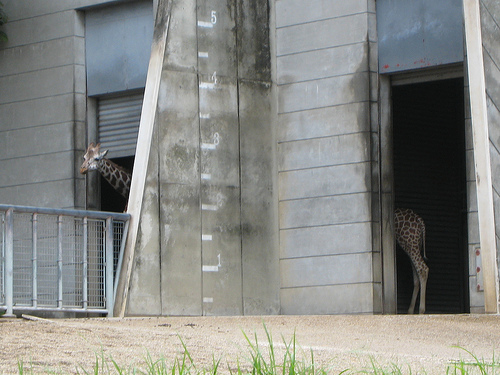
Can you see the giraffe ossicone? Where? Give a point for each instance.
(118, 177)
(409, 229)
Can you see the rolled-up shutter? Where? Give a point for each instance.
(118, 119)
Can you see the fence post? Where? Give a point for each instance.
(9, 263)
(109, 285)
(85, 264)
(35, 260)
(60, 262)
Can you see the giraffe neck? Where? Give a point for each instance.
(117, 177)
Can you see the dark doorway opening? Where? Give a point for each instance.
(429, 177)
(111, 200)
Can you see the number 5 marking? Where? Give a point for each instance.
(213, 17)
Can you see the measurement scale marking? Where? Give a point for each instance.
(203, 55)
(209, 207)
(208, 146)
(210, 268)
(207, 85)
(206, 237)
(208, 300)
(208, 25)
(206, 176)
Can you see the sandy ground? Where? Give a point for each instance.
(426, 343)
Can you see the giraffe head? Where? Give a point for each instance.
(92, 158)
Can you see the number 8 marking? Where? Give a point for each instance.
(216, 139)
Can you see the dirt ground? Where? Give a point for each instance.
(426, 343)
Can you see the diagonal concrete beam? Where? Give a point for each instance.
(482, 161)
(144, 140)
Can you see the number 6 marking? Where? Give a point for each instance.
(213, 17)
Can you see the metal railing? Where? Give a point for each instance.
(60, 260)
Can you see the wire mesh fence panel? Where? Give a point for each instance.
(118, 228)
(72, 261)
(47, 261)
(57, 258)
(2, 259)
(95, 263)
(23, 259)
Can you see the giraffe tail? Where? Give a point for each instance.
(423, 245)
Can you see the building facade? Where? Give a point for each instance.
(276, 139)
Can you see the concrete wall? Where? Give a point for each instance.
(282, 116)
(43, 103)
(325, 84)
(207, 243)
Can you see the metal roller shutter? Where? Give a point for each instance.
(118, 123)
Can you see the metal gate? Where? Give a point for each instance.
(59, 260)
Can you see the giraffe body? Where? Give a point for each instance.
(118, 177)
(409, 229)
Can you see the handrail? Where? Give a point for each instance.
(66, 212)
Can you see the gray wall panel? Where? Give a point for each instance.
(324, 92)
(324, 150)
(39, 168)
(298, 67)
(342, 209)
(326, 270)
(43, 93)
(317, 182)
(41, 28)
(14, 115)
(36, 84)
(28, 9)
(290, 12)
(325, 240)
(41, 194)
(323, 122)
(43, 55)
(321, 34)
(318, 152)
(29, 141)
(331, 299)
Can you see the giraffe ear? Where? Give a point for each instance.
(102, 154)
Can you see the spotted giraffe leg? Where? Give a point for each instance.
(424, 273)
(416, 287)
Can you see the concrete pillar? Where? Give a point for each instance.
(215, 240)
